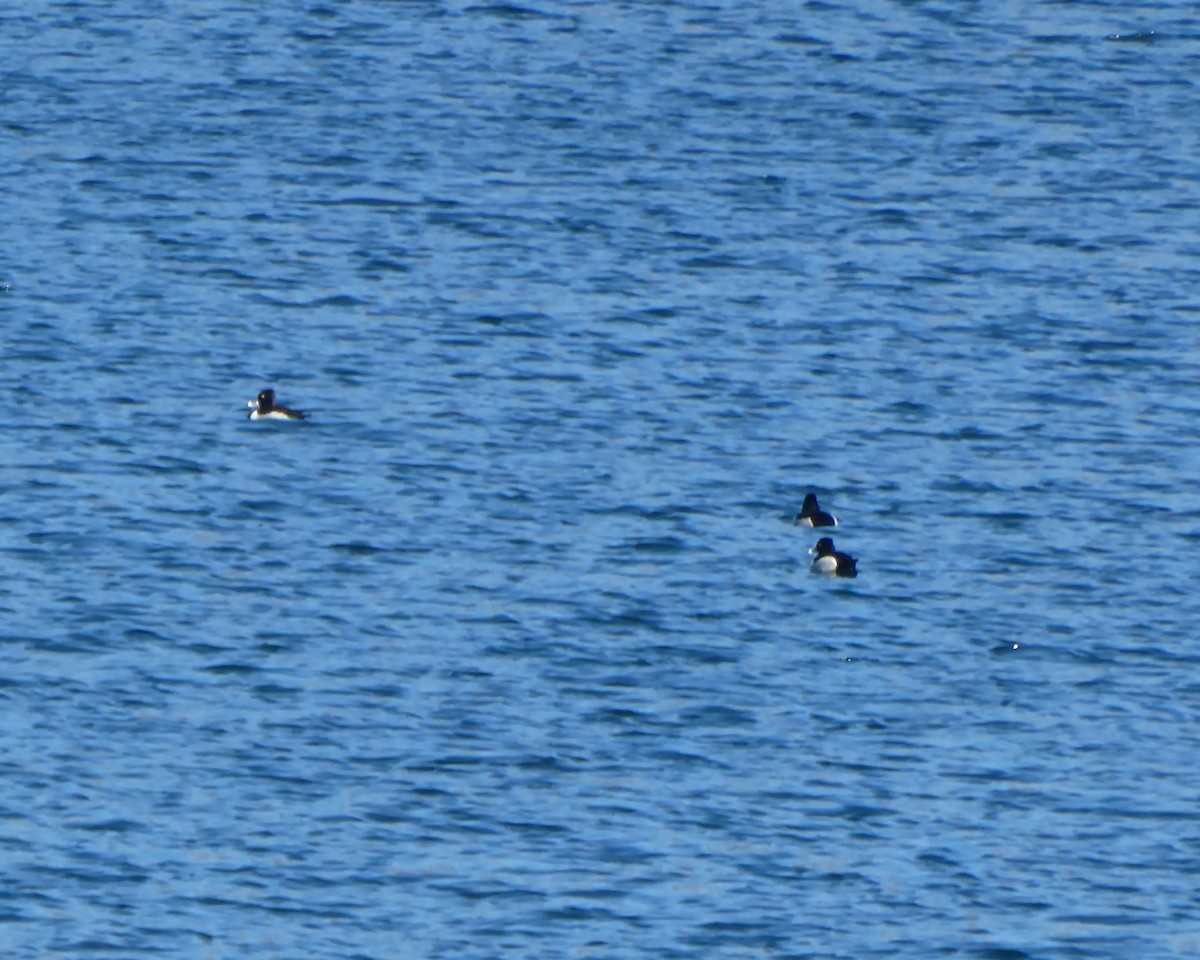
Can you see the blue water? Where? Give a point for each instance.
(511, 649)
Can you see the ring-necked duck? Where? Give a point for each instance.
(831, 562)
(264, 407)
(811, 514)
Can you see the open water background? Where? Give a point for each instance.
(511, 649)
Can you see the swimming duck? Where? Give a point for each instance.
(811, 514)
(264, 407)
(831, 562)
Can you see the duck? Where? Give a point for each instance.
(264, 407)
(811, 514)
(831, 562)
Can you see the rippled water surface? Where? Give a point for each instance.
(511, 649)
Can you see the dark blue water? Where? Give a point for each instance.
(511, 648)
